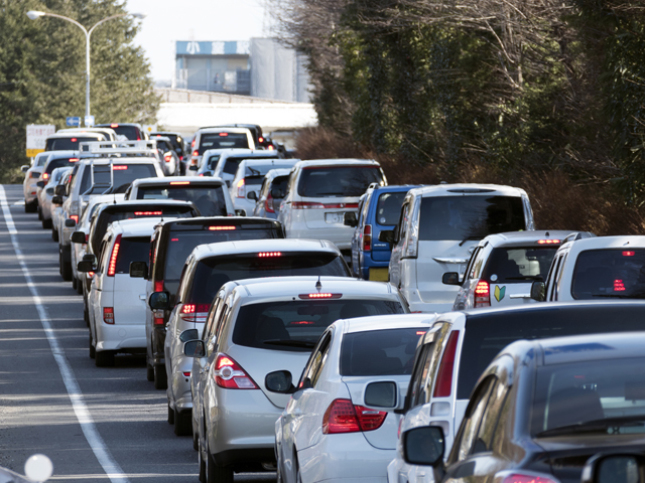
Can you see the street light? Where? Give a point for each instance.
(35, 14)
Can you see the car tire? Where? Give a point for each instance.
(54, 235)
(183, 423)
(40, 213)
(74, 283)
(104, 359)
(79, 287)
(215, 473)
(47, 223)
(171, 415)
(160, 377)
(150, 374)
(31, 207)
(86, 315)
(65, 268)
(92, 348)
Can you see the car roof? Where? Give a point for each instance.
(545, 307)
(76, 134)
(622, 241)
(124, 205)
(134, 228)
(61, 154)
(177, 180)
(124, 160)
(106, 199)
(207, 130)
(381, 322)
(460, 189)
(337, 162)
(221, 220)
(267, 162)
(251, 153)
(264, 245)
(516, 238)
(284, 287)
(274, 173)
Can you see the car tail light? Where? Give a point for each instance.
(343, 417)
(222, 228)
(158, 286)
(443, 384)
(194, 312)
(74, 140)
(318, 295)
(121, 167)
(229, 375)
(619, 286)
(367, 238)
(87, 238)
(270, 148)
(158, 316)
(527, 478)
(114, 125)
(167, 157)
(108, 315)
(223, 134)
(261, 139)
(548, 242)
(175, 183)
(195, 153)
(241, 192)
(73, 160)
(114, 256)
(74, 217)
(629, 253)
(268, 204)
(45, 176)
(148, 213)
(269, 254)
(186, 373)
(482, 294)
(306, 205)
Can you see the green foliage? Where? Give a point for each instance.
(42, 70)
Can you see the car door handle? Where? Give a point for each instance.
(450, 260)
(142, 297)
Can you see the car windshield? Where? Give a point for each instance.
(487, 334)
(296, 325)
(388, 208)
(132, 250)
(379, 352)
(609, 273)
(209, 199)
(123, 175)
(469, 217)
(513, 265)
(337, 180)
(569, 395)
(212, 273)
(59, 163)
(69, 144)
(223, 140)
(233, 162)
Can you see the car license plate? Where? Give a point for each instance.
(379, 274)
(335, 217)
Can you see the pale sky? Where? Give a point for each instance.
(170, 20)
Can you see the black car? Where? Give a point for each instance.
(543, 408)
(171, 244)
(132, 131)
(178, 145)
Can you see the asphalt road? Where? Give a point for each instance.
(105, 424)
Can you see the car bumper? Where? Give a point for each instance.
(346, 458)
(120, 337)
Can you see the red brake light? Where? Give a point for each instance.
(108, 315)
(240, 189)
(229, 375)
(192, 143)
(74, 140)
(526, 478)
(629, 253)
(114, 256)
(73, 160)
(370, 419)
(306, 205)
(482, 294)
(367, 238)
(222, 228)
(114, 125)
(302, 322)
(223, 134)
(343, 417)
(619, 286)
(309, 296)
(167, 157)
(194, 312)
(443, 384)
(120, 168)
(148, 213)
(179, 183)
(158, 286)
(548, 242)
(269, 254)
(270, 148)
(261, 139)
(45, 176)
(186, 374)
(74, 217)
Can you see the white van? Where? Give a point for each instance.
(438, 230)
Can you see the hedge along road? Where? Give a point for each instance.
(106, 424)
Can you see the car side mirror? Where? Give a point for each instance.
(78, 237)
(450, 278)
(240, 212)
(194, 348)
(138, 269)
(24, 168)
(386, 236)
(350, 219)
(280, 382)
(609, 468)
(277, 193)
(40, 184)
(424, 446)
(159, 301)
(252, 195)
(189, 334)
(85, 267)
(70, 223)
(382, 394)
(538, 291)
(57, 200)
(59, 190)
(89, 257)
(193, 167)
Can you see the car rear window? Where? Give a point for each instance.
(59, 163)
(279, 183)
(513, 265)
(209, 199)
(130, 132)
(469, 217)
(182, 243)
(132, 250)
(609, 273)
(212, 273)
(69, 144)
(388, 208)
(123, 175)
(233, 162)
(337, 180)
(211, 163)
(488, 334)
(223, 140)
(379, 352)
(297, 325)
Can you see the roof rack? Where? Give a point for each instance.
(118, 147)
(103, 187)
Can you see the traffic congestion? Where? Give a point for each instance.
(303, 321)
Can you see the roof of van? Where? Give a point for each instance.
(382, 322)
(134, 228)
(466, 189)
(240, 247)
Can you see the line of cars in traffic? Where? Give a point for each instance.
(277, 356)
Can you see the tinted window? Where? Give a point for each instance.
(465, 217)
(223, 141)
(609, 274)
(280, 183)
(212, 161)
(388, 209)
(132, 250)
(209, 200)
(517, 264)
(379, 352)
(337, 180)
(488, 334)
(130, 132)
(123, 174)
(68, 144)
(182, 243)
(164, 146)
(212, 273)
(232, 163)
(59, 163)
(297, 325)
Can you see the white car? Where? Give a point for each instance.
(218, 138)
(70, 140)
(230, 160)
(339, 424)
(605, 267)
(47, 194)
(319, 195)
(32, 175)
(257, 329)
(116, 301)
(438, 230)
(245, 187)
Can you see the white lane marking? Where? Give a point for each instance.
(100, 449)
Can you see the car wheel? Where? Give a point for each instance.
(278, 466)
(31, 207)
(171, 415)
(47, 223)
(54, 235)
(104, 359)
(74, 283)
(161, 381)
(86, 315)
(79, 287)
(215, 473)
(183, 423)
(40, 213)
(92, 348)
(150, 374)
(65, 267)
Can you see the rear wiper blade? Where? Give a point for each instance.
(471, 237)
(291, 343)
(537, 278)
(595, 425)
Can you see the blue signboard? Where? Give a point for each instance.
(216, 47)
(74, 121)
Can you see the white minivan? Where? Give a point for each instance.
(437, 232)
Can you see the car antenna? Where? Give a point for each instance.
(318, 284)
